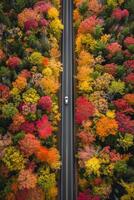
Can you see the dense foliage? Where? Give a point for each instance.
(104, 115)
(29, 110)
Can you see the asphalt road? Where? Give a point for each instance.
(67, 150)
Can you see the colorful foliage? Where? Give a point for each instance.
(30, 68)
(104, 112)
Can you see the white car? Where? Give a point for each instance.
(66, 100)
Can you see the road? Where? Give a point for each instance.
(67, 150)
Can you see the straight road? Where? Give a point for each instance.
(67, 150)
